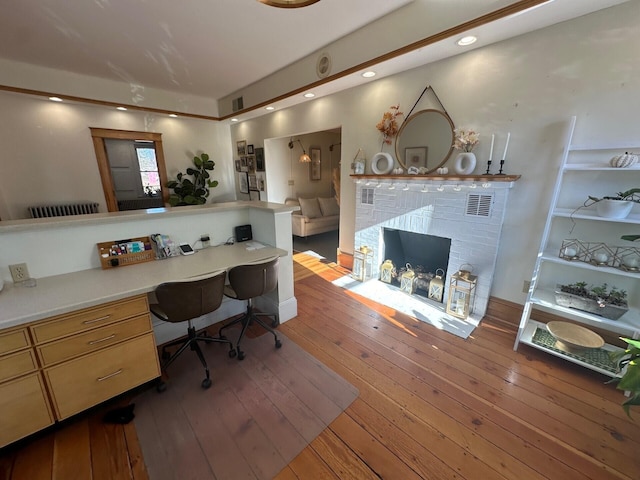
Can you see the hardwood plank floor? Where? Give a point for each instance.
(431, 405)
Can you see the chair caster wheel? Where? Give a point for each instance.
(232, 353)
(161, 387)
(278, 344)
(240, 355)
(206, 383)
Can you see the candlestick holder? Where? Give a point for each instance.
(500, 171)
(488, 167)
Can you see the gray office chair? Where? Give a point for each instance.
(246, 283)
(183, 301)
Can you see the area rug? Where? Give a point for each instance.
(412, 305)
(258, 415)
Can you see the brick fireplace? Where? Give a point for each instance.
(468, 212)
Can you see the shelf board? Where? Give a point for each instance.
(443, 178)
(527, 339)
(594, 148)
(628, 324)
(553, 257)
(585, 214)
(595, 167)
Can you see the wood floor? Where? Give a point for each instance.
(431, 406)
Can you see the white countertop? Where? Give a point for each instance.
(61, 294)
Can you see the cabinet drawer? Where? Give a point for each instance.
(86, 381)
(17, 364)
(24, 408)
(88, 319)
(12, 341)
(93, 340)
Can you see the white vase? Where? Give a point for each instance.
(465, 163)
(613, 208)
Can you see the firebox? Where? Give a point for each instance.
(425, 254)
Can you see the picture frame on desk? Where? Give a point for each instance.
(243, 182)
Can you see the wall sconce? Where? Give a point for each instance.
(304, 158)
(462, 289)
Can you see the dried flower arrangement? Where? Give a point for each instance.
(389, 124)
(465, 140)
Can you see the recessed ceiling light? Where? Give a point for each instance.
(369, 74)
(173, 115)
(55, 99)
(122, 108)
(269, 108)
(309, 95)
(464, 41)
(234, 119)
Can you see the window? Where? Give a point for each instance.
(148, 167)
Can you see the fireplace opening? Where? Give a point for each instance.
(428, 256)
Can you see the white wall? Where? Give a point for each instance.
(529, 86)
(47, 154)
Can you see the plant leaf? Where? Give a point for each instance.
(197, 162)
(631, 379)
(204, 157)
(632, 342)
(631, 238)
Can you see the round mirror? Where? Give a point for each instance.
(425, 139)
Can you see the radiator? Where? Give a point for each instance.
(44, 211)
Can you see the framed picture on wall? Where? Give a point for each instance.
(415, 157)
(243, 181)
(249, 149)
(315, 167)
(253, 183)
(259, 159)
(242, 147)
(238, 166)
(251, 163)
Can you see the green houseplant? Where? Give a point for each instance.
(630, 381)
(193, 188)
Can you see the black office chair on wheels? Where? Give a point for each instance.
(246, 283)
(184, 301)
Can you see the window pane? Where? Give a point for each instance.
(147, 159)
(150, 179)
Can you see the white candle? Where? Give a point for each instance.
(506, 145)
(493, 137)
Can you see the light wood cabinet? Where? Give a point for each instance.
(60, 366)
(23, 399)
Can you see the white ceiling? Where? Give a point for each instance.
(212, 48)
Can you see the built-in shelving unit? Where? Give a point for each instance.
(584, 171)
(440, 178)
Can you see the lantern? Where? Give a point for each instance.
(362, 263)
(436, 286)
(386, 271)
(462, 289)
(408, 280)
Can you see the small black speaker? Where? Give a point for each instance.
(243, 233)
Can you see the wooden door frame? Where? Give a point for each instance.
(99, 135)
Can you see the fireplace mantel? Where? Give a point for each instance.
(440, 178)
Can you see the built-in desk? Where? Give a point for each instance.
(83, 334)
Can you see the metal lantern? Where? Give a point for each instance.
(408, 280)
(386, 271)
(436, 286)
(462, 289)
(362, 263)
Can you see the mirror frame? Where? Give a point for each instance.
(400, 159)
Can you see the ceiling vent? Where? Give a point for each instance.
(323, 65)
(237, 104)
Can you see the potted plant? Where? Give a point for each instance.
(195, 190)
(617, 206)
(606, 302)
(630, 380)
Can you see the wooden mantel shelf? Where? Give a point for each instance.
(441, 178)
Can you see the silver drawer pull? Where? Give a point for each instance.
(87, 322)
(110, 375)
(93, 342)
